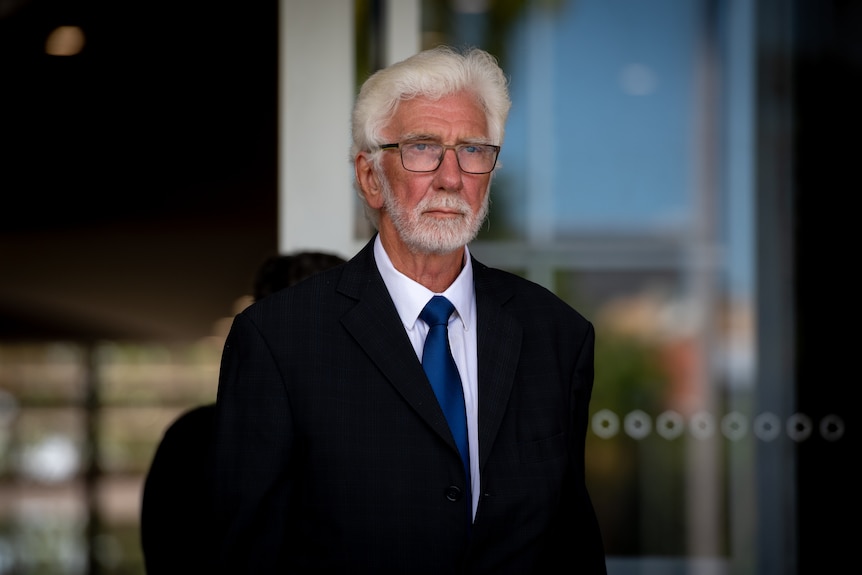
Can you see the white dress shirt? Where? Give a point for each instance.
(410, 298)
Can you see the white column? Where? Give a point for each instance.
(317, 207)
(316, 85)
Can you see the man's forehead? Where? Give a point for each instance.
(438, 117)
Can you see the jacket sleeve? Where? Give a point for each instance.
(253, 447)
(576, 534)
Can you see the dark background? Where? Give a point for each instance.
(138, 178)
(826, 160)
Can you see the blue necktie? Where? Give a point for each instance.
(443, 375)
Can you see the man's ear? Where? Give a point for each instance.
(368, 181)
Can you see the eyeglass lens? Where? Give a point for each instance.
(472, 158)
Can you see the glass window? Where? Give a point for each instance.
(79, 425)
(627, 187)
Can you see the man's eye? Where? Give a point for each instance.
(472, 149)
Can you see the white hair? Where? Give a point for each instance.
(432, 74)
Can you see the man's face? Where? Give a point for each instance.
(440, 211)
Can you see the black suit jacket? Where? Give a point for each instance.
(333, 455)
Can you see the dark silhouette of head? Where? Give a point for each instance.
(280, 271)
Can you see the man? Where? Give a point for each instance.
(335, 452)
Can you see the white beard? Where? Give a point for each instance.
(424, 234)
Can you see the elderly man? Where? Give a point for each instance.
(411, 411)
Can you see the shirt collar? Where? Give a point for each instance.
(410, 296)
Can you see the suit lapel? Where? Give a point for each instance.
(376, 326)
(499, 348)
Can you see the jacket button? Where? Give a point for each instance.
(453, 493)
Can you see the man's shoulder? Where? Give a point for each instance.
(313, 299)
(498, 278)
(517, 293)
(191, 429)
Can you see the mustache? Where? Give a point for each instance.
(448, 202)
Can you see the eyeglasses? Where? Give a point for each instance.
(427, 156)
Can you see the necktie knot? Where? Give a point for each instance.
(437, 311)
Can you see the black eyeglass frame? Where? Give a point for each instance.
(397, 146)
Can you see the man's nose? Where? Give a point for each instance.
(448, 175)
